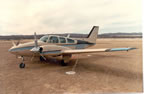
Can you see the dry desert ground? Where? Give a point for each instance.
(99, 72)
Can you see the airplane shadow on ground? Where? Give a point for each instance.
(84, 64)
(56, 62)
(42, 64)
(106, 69)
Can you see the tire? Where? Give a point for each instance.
(22, 65)
(63, 63)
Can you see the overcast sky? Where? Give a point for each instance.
(69, 16)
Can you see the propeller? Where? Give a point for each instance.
(18, 42)
(37, 49)
(15, 44)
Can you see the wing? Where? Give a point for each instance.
(79, 51)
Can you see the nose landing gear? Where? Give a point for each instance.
(22, 64)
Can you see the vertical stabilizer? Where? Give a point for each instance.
(93, 34)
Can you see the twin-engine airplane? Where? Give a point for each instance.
(52, 45)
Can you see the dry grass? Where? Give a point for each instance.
(100, 72)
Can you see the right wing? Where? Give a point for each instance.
(79, 51)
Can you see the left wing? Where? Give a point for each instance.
(79, 51)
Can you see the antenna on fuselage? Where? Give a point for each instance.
(68, 35)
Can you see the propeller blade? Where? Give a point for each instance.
(36, 48)
(15, 44)
(18, 42)
(42, 56)
(35, 39)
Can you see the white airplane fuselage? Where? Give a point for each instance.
(49, 49)
(53, 44)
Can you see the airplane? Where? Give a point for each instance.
(54, 46)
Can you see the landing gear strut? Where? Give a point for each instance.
(42, 58)
(22, 64)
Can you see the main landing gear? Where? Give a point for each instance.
(42, 58)
(63, 63)
(65, 60)
(22, 64)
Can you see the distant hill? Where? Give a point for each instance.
(74, 35)
(121, 35)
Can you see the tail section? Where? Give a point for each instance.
(93, 34)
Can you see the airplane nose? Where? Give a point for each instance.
(11, 49)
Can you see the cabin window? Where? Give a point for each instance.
(62, 40)
(53, 39)
(44, 38)
(70, 41)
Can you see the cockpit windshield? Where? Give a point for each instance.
(44, 38)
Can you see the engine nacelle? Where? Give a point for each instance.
(52, 49)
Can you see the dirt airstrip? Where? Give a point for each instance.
(99, 72)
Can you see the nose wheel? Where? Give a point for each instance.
(22, 65)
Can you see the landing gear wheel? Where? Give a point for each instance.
(63, 63)
(22, 65)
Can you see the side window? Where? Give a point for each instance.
(53, 39)
(70, 41)
(62, 40)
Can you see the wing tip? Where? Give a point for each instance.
(121, 49)
(132, 48)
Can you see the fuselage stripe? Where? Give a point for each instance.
(30, 47)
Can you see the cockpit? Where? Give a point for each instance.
(56, 39)
(44, 38)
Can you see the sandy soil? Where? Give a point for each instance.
(99, 72)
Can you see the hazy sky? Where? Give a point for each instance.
(67, 16)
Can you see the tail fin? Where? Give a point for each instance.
(93, 34)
